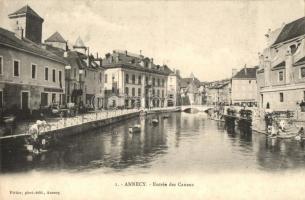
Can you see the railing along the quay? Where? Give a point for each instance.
(85, 118)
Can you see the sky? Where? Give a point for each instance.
(208, 38)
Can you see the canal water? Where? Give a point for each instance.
(182, 143)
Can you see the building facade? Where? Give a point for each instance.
(192, 91)
(31, 77)
(281, 74)
(84, 72)
(173, 89)
(219, 93)
(244, 87)
(132, 80)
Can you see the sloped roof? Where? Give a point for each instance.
(281, 65)
(293, 29)
(186, 81)
(25, 10)
(132, 62)
(56, 37)
(246, 73)
(9, 39)
(75, 58)
(300, 61)
(219, 85)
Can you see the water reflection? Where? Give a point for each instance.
(182, 142)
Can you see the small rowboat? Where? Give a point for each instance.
(135, 129)
(154, 121)
(165, 116)
(9, 119)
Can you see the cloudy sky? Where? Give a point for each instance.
(208, 38)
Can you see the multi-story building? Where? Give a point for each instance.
(219, 93)
(244, 87)
(84, 73)
(132, 80)
(281, 74)
(173, 89)
(30, 76)
(191, 91)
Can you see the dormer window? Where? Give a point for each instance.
(293, 48)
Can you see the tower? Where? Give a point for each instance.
(27, 23)
(80, 46)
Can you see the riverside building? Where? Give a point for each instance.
(84, 72)
(132, 80)
(30, 76)
(244, 87)
(281, 74)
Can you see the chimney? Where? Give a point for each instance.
(126, 52)
(96, 55)
(288, 65)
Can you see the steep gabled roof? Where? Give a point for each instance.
(186, 81)
(292, 30)
(56, 37)
(246, 73)
(24, 11)
(8, 39)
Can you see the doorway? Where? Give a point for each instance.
(25, 100)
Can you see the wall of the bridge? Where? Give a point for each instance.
(198, 107)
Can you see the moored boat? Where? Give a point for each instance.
(154, 121)
(135, 129)
(165, 116)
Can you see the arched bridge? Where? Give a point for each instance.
(200, 108)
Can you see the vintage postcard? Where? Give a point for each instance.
(152, 99)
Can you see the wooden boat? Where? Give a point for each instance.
(9, 119)
(165, 116)
(135, 129)
(154, 121)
